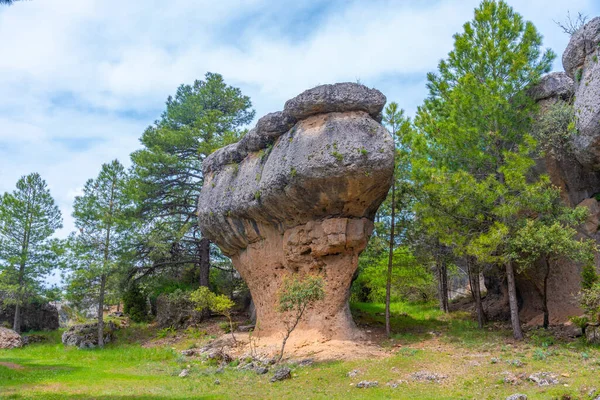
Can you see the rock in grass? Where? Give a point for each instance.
(261, 370)
(543, 378)
(367, 384)
(184, 373)
(281, 374)
(517, 396)
(9, 339)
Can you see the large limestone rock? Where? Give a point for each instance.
(9, 339)
(582, 64)
(297, 195)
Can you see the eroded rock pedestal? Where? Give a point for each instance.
(297, 195)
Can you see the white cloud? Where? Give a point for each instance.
(89, 69)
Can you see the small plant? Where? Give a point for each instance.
(335, 147)
(204, 299)
(236, 168)
(258, 176)
(595, 58)
(589, 276)
(338, 156)
(579, 74)
(295, 297)
(363, 151)
(257, 195)
(212, 184)
(539, 354)
(166, 332)
(293, 172)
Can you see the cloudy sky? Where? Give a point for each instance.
(81, 79)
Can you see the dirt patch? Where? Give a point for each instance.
(11, 365)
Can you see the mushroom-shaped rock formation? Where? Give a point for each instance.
(297, 195)
(581, 61)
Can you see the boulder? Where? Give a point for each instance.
(86, 335)
(581, 63)
(176, 311)
(555, 85)
(9, 339)
(592, 334)
(304, 202)
(339, 97)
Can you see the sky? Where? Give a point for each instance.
(80, 80)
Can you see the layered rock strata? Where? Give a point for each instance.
(297, 195)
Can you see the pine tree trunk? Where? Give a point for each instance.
(545, 295)
(512, 301)
(101, 311)
(388, 283)
(478, 304)
(204, 254)
(17, 319)
(443, 286)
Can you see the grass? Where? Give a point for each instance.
(474, 361)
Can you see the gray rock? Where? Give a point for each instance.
(517, 396)
(85, 336)
(592, 334)
(261, 370)
(30, 339)
(581, 62)
(353, 373)
(281, 374)
(185, 372)
(543, 378)
(553, 85)
(367, 384)
(427, 376)
(306, 362)
(246, 328)
(339, 97)
(582, 43)
(9, 339)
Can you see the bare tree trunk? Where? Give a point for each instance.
(17, 319)
(545, 295)
(475, 291)
(204, 254)
(442, 269)
(512, 301)
(388, 283)
(101, 311)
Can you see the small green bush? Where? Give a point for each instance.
(135, 304)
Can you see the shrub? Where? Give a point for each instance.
(135, 304)
(204, 299)
(589, 277)
(295, 296)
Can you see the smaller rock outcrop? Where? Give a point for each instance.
(176, 311)
(34, 316)
(86, 336)
(9, 339)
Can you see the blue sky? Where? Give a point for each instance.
(81, 79)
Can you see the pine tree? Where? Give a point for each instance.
(167, 172)
(102, 219)
(474, 143)
(28, 219)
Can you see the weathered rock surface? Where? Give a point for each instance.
(555, 85)
(297, 195)
(86, 335)
(9, 339)
(34, 316)
(176, 311)
(581, 62)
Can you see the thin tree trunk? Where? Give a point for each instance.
(204, 255)
(388, 283)
(478, 304)
(443, 286)
(512, 301)
(17, 319)
(475, 291)
(545, 295)
(101, 311)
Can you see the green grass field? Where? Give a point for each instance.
(428, 341)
